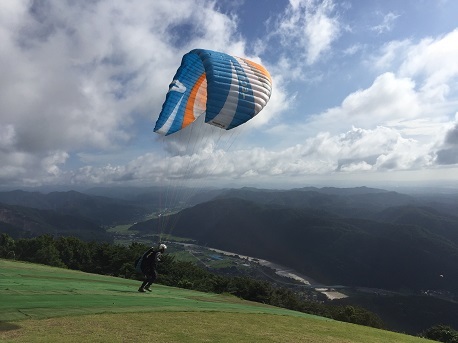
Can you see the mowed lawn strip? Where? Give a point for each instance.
(192, 327)
(46, 304)
(35, 291)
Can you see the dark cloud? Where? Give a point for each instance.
(448, 154)
(452, 136)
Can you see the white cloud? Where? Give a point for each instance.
(360, 150)
(51, 163)
(435, 61)
(7, 137)
(311, 26)
(391, 55)
(389, 101)
(432, 62)
(388, 98)
(352, 50)
(387, 24)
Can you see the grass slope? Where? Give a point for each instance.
(45, 304)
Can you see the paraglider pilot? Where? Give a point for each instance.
(147, 265)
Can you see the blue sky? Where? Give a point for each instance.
(365, 92)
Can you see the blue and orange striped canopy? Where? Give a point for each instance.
(228, 90)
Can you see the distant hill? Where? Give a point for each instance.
(101, 210)
(325, 246)
(25, 222)
(158, 197)
(444, 202)
(361, 202)
(345, 191)
(429, 218)
(410, 314)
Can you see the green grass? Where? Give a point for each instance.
(206, 257)
(45, 304)
(121, 229)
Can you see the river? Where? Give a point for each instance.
(282, 271)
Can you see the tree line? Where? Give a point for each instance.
(118, 260)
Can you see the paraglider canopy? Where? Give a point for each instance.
(229, 90)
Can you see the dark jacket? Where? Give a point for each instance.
(149, 260)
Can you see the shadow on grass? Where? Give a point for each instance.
(133, 290)
(4, 326)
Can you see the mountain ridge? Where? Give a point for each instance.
(323, 245)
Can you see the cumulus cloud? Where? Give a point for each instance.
(390, 101)
(51, 163)
(435, 62)
(357, 150)
(432, 62)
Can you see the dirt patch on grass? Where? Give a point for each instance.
(227, 299)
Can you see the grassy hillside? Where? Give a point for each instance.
(46, 304)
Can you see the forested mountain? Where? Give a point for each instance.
(429, 218)
(26, 222)
(101, 210)
(350, 202)
(397, 251)
(157, 197)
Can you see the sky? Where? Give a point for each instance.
(364, 93)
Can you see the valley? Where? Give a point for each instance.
(358, 246)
